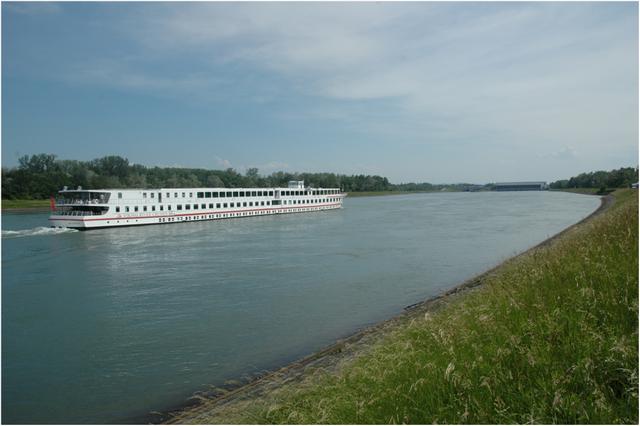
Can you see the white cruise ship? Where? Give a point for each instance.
(101, 208)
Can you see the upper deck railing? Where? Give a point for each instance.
(93, 201)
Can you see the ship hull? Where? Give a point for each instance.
(119, 220)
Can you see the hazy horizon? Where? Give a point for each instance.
(416, 92)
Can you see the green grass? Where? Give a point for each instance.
(374, 193)
(24, 204)
(378, 193)
(552, 337)
(586, 191)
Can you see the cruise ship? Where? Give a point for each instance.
(103, 208)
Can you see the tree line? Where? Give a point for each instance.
(39, 176)
(620, 178)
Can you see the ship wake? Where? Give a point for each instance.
(37, 231)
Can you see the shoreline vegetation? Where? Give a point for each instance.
(25, 206)
(549, 336)
(40, 176)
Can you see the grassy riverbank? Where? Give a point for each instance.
(380, 193)
(551, 337)
(586, 191)
(24, 204)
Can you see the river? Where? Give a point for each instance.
(105, 326)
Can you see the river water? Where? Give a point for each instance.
(107, 325)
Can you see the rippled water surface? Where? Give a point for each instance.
(107, 325)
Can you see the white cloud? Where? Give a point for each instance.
(225, 164)
(524, 76)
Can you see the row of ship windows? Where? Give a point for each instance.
(127, 209)
(230, 194)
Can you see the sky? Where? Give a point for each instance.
(416, 92)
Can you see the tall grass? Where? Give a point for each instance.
(552, 337)
(24, 204)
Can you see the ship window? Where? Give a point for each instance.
(191, 195)
(168, 193)
(179, 206)
(275, 202)
(250, 203)
(126, 209)
(225, 205)
(175, 195)
(244, 204)
(144, 208)
(268, 202)
(203, 206)
(187, 206)
(215, 194)
(242, 193)
(144, 195)
(195, 207)
(200, 194)
(210, 205)
(135, 208)
(232, 205)
(228, 194)
(161, 207)
(207, 195)
(152, 195)
(270, 193)
(117, 209)
(262, 203)
(119, 194)
(223, 194)
(183, 194)
(235, 193)
(217, 205)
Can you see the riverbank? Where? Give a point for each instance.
(585, 191)
(549, 336)
(384, 193)
(25, 206)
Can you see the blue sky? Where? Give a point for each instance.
(435, 92)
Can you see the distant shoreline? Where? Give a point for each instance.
(36, 206)
(329, 357)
